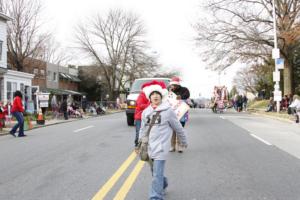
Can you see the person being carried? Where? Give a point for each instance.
(159, 137)
(182, 94)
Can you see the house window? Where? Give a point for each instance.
(22, 88)
(35, 71)
(1, 46)
(11, 87)
(54, 76)
(8, 90)
(49, 76)
(42, 72)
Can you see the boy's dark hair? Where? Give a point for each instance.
(156, 92)
(18, 93)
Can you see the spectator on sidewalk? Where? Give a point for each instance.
(84, 104)
(17, 111)
(245, 102)
(284, 103)
(271, 105)
(239, 103)
(54, 107)
(295, 106)
(290, 99)
(3, 113)
(64, 109)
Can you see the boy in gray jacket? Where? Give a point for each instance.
(160, 134)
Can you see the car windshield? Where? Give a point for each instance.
(137, 84)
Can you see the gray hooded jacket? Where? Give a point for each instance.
(161, 132)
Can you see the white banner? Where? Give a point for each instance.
(44, 104)
(43, 97)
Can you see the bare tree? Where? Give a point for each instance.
(109, 41)
(24, 31)
(52, 52)
(242, 31)
(245, 80)
(255, 78)
(140, 64)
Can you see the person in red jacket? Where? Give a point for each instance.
(2, 116)
(17, 111)
(141, 103)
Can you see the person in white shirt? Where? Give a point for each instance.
(295, 105)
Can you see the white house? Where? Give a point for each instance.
(11, 80)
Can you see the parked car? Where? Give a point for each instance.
(135, 90)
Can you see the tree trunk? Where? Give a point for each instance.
(287, 80)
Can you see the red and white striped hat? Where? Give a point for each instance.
(175, 81)
(155, 86)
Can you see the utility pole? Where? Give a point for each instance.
(276, 55)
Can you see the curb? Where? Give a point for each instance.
(63, 121)
(272, 117)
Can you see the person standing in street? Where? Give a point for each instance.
(182, 94)
(17, 111)
(159, 137)
(141, 103)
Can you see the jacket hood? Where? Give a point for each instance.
(163, 106)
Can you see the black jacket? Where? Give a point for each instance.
(64, 106)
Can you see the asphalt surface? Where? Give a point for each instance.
(230, 156)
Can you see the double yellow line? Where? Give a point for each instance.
(115, 177)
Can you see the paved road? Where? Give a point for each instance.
(230, 156)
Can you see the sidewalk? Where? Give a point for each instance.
(282, 116)
(50, 122)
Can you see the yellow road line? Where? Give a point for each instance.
(129, 181)
(111, 182)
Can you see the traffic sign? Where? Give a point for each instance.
(279, 62)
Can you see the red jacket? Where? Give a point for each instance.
(141, 103)
(17, 105)
(3, 112)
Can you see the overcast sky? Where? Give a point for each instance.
(169, 31)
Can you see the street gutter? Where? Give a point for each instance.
(6, 132)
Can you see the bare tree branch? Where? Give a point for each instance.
(242, 31)
(24, 36)
(111, 41)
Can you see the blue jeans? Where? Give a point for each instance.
(159, 181)
(137, 130)
(20, 124)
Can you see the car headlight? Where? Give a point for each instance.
(131, 103)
